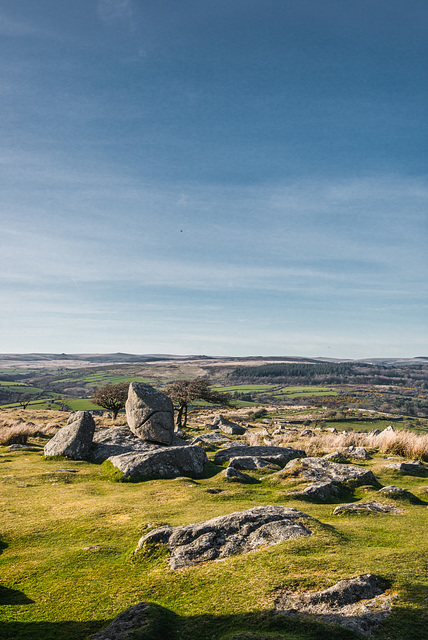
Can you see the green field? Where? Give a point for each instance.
(67, 566)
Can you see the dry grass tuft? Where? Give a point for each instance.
(401, 443)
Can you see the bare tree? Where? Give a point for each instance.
(112, 397)
(183, 392)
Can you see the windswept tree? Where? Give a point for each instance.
(184, 392)
(112, 397)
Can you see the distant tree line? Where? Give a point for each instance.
(334, 373)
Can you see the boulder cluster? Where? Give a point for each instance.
(146, 447)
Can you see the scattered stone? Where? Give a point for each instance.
(62, 471)
(13, 447)
(150, 413)
(393, 491)
(359, 453)
(322, 470)
(332, 429)
(234, 475)
(306, 433)
(415, 466)
(286, 453)
(221, 537)
(214, 490)
(359, 604)
(227, 426)
(126, 624)
(318, 490)
(335, 456)
(374, 432)
(256, 462)
(93, 547)
(75, 439)
(210, 438)
(389, 429)
(366, 507)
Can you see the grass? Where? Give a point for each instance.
(55, 588)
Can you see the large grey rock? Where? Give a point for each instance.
(115, 441)
(366, 507)
(221, 537)
(359, 604)
(135, 458)
(322, 470)
(150, 413)
(74, 440)
(286, 453)
(165, 462)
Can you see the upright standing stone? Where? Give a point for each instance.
(75, 439)
(150, 413)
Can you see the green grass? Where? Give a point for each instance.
(55, 589)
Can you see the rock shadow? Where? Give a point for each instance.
(13, 596)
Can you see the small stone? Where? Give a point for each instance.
(367, 507)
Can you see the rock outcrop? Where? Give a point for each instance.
(221, 537)
(359, 604)
(164, 462)
(281, 453)
(322, 470)
(136, 458)
(150, 413)
(74, 440)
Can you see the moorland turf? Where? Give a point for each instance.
(67, 568)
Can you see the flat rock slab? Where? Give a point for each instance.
(256, 462)
(322, 470)
(359, 604)
(210, 438)
(134, 457)
(224, 536)
(164, 462)
(126, 623)
(74, 440)
(286, 453)
(114, 441)
(366, 507)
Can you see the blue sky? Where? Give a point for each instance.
(220, 177)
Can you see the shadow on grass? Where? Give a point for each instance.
(164, 624)
(13, 596)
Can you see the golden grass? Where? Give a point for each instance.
(402, 443)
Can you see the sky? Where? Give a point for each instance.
(218, 177)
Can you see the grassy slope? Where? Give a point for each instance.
(57, 590)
